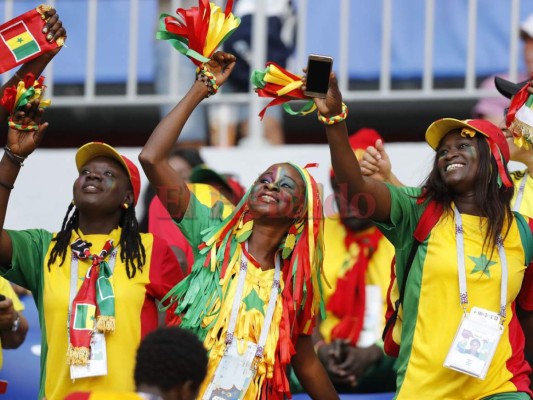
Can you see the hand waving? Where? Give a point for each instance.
(23, 142)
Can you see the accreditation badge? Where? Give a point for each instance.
(234, 373)
(97, 365)
(475, 343)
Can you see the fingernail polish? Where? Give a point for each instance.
(49, 36)
(45, 29)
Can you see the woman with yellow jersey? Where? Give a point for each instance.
(464, 279)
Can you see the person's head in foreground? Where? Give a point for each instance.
(471, 165)
(106, 190)
(171, 363)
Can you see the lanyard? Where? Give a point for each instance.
(74, 278)
(520, 193)
(237, 302)
(461, 266)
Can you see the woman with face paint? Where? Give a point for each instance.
(254, 290)
(461, 277)
(96, 281)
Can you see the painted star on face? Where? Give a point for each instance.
(482, 264)
(253, 301)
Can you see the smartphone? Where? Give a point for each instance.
(2, 297)
(318, 71)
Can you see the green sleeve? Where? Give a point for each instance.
(404, 216)
(198, 218)
(29, 251)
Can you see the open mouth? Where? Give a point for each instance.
(268, 198)
(90, 189)
(454, 166)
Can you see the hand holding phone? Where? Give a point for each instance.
(318, 72)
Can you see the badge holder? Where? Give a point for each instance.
(475, 343)
(480, 331)
(97, 365)
(233, 374)
(236, 369)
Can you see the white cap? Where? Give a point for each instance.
(526, 27)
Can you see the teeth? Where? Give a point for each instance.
(268, 199)
(454, 166)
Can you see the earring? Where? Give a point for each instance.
(124, 206)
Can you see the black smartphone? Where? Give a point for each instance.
(318, 71)
(2, 297)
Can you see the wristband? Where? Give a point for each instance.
(205, 76)
(336, 118)
(20, 127)
(15, 158)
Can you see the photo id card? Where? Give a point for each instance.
(233, 374)
(97, 365)
(475, 343)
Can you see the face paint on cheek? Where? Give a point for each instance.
(472, 151)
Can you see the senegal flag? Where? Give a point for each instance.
(20, 41)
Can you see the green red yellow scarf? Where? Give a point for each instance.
(95, 301)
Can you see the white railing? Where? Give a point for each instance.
(426, 91)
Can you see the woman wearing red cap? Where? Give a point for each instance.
(464, 271)
(254, 290)
(96, 281)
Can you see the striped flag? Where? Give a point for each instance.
(84, 316)
(20, 41)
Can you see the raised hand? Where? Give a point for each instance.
(221, 65)
(23, 142)
(376, 161)
(332, 104)
(54, 27)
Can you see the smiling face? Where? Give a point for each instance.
(458, 161)
(102, 185)
(278, 192)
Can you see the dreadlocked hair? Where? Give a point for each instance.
(132, 251)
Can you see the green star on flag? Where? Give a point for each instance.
(482, 264)
(253, 301)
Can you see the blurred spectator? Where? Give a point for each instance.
(280, 45)
(357, 267)
(492, 108)
(13, 325)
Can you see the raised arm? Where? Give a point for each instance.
(20, 144)
(53, 29)
(170, 187)
(372, 197)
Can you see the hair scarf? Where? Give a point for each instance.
(348, 301)
(95, 301)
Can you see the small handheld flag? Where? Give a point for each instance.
(22, 39)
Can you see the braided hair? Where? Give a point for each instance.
(132, 251)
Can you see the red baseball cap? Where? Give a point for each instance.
(99, 149)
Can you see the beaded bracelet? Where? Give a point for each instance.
(15, 158)
(20, 127)
(336, 118)
(202, 74)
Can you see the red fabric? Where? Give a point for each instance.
(34, 23)
(165, 273)
(516, 365)
(517, 101)
(161, 224)
(348, 301)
